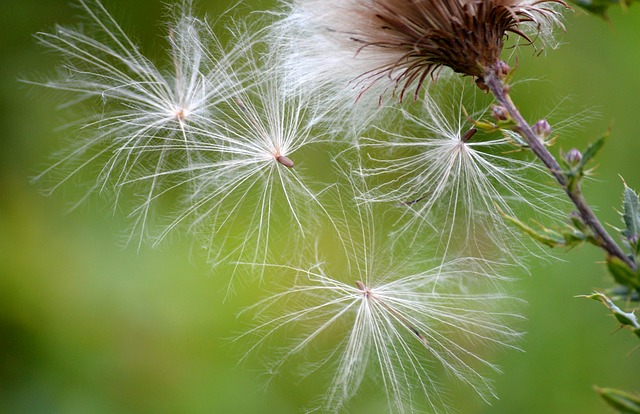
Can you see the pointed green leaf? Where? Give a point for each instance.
(566, 237)
(623, 402)
(622, 273)
(631, 213)
(592, 150)
(576, 171)
(626, 319)
(547, 237)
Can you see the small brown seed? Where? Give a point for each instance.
(284, 161)
(468, 135)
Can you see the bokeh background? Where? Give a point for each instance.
(88, 325)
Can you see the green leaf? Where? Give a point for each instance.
(575, 172)
(631, 216)
(622, 273)
(626, 319)
(592, 150)
(631, 211)
(546, 237)
(623, 402)
(562, 237)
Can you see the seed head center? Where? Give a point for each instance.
(181, 114)
(365, 290)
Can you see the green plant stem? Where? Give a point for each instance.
(501, 92)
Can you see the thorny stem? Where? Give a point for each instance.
(501, 92)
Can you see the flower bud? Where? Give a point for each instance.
(542, 129)
(499, 112)
(503, 69)
(573, 157)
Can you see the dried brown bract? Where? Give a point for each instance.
(418, 37)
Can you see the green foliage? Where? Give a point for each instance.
(623, 293)
(631, 217)
(592, 150)
(601, 7)
(623, 274)
(507, 124)
(565, 237)
(623, 402)
(626, 319)
(575, 172)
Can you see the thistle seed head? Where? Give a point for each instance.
(420, 37)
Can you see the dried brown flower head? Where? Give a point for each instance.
(419, 37)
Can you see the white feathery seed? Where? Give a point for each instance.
(398, 322)
(441, 174)
(147, 114)
(248, 174)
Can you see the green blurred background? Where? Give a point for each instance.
(89, 326)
